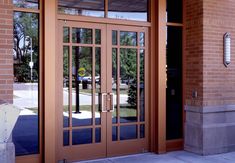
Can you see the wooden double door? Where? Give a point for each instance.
(103, 90)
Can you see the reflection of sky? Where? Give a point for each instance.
(139, 16)
(93, 13)
(118, 15)
(128, 15)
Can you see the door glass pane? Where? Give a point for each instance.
(114, 83)
(66, 85)
(82, 35)
(26, 82)
(114, 38)
(128, 86)
(33, 4)
(129, 10)
(142, 39)
(142, 131)
(174, 106)
(66, 35)
(98, 135)
(128, 132)
(82, 136)
(114, 133)
(141, 87)
(97, 84)
(98, 36)
(174, 11)
(128, 38)
(81, 86)
(66, 138)
(82, 7)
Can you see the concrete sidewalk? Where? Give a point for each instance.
(171, 157)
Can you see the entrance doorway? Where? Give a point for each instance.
(102, 76)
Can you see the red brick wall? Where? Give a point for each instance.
(218, 81)
(6, 45)
(193, 51)
(206, 23)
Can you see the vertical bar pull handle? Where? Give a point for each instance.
(111, 102)
(103, 101)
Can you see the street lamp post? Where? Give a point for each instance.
(31, 58)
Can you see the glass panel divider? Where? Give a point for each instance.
(118, 84)
(70, 93)
(138, 84)
(93, 85)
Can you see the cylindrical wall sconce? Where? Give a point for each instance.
(227, 49)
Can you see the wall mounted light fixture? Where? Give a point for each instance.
(227, 49)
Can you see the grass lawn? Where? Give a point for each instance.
(89, 91)
(34, 110)
(125, 111)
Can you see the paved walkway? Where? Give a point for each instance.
(171, 157)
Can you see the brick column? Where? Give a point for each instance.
(6, 46)
(210, 115)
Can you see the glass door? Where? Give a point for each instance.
(103, 108)
(82, 66)
(127, 122)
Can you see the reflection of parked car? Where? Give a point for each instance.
(127, 82)
(97, 79)
(79, 80)
(89, 79)
(66, 82)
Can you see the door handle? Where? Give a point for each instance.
(111, 97)
(107, 102)
(103, 101)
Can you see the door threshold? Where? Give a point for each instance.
(109, 159)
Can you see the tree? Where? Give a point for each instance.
(128, 69)
(25, 25)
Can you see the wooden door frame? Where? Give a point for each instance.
(71, 152)
(133, 145)
(50, 51)
(158, 76)
(121, 147)
(157, 73)
(37, 158)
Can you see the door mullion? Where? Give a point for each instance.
(138, 85)
(70, 93)
(118, 84)
(93, 85)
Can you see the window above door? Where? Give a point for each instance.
(117, 9)
(31, 4)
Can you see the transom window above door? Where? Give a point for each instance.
(116, 9)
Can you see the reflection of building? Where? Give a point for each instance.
(186, 100)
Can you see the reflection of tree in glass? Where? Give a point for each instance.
(66, 62)
(141, 66)
(26, 3)
(97, 36)
(128, 38)
(128, 72)
(66, 34)
(25, 26)
(97, 62)
(82, 35)
(114, 64)
(128, 64)
(84, 59)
